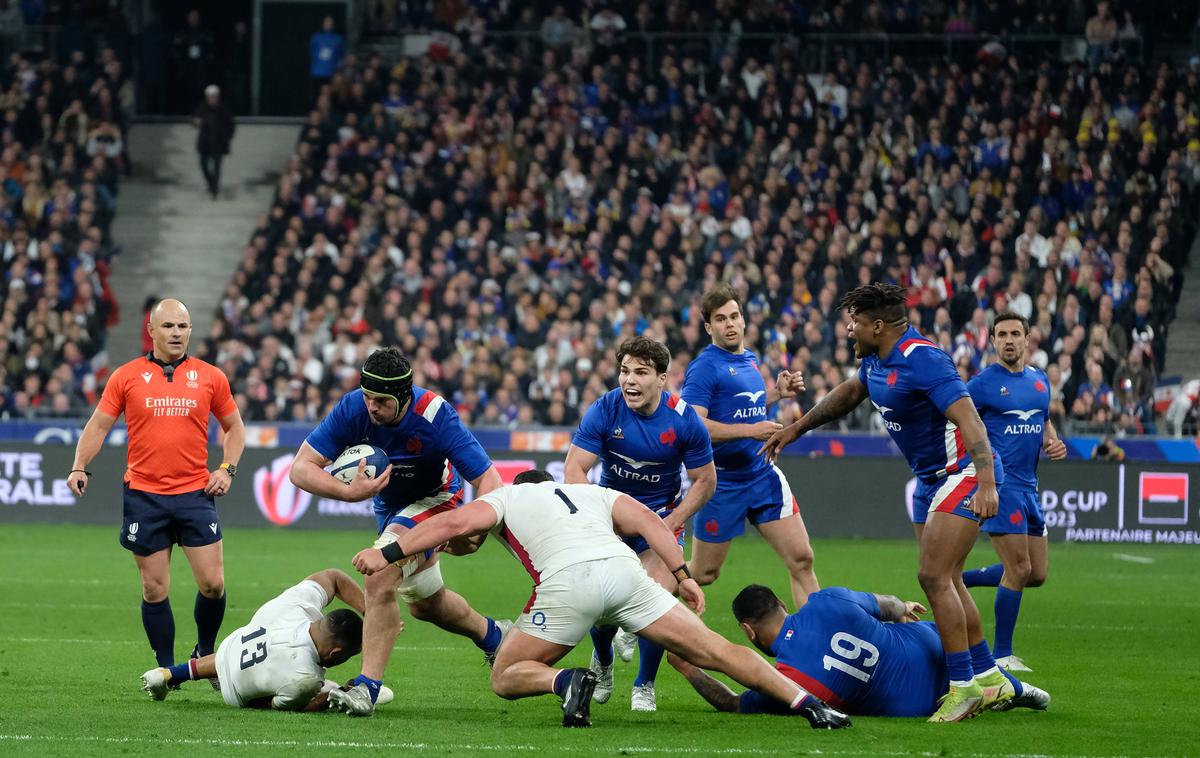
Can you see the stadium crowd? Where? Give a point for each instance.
(508, 219)
(63, 127)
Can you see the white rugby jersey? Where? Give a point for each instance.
(549, 526)
(274, 655)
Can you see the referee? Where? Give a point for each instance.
(167, 396)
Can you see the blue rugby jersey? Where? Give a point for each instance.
(911, 387)
(732, 389)
(641, 455)
(430, 449)
(1014, 408)
(837, 648)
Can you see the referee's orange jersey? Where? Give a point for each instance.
(166, 413)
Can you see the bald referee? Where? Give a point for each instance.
(167, 396)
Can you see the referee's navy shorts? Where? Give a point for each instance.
(155, 522)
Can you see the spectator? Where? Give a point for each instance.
(215, 124)
(1101, 31)
(325, 51)
(546, 209)
(194, 49)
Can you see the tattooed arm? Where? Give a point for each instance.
(717, 693)
(841, 400)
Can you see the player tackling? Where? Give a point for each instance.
(583, 574)
(929, 415)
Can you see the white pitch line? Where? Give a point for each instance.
(1133, 558)
(491, 747)
(98, 641)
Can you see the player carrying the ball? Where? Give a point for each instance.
(431, 453)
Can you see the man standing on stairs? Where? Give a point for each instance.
(215, 122)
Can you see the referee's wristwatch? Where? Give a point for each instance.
(230, 468)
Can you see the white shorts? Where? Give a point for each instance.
(566, 605)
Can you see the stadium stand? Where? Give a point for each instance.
(509, 206)
(64, 122)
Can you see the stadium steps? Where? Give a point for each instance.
(176, 240)
(1183, 339)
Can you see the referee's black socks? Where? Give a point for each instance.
(209, 613)
(160, 630)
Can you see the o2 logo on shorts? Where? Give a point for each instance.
(280, 501)
(538, 619)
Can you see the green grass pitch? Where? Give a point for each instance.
(1113, 636)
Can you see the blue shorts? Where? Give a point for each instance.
(1020, 512)
(155, 522)
(761, 500)
(951, 494)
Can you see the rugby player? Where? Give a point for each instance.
(583, 574)
(1013, 399)
(431, 453)
(642, 435)
(839, 648)
(929, 414)
(724, 385)
(278, 659)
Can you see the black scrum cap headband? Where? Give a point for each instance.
(399, 388)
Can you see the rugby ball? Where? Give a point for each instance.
(345, 467)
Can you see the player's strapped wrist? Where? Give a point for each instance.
(80, 471)
(392, 552)
(682, 573)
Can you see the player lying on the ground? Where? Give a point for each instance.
(839, 648)
(583, 574)
(278, 660)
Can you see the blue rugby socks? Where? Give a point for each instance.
(491, 638)
(649, 657)
(988, 576)
(373, 685)
(159, 623)
(958, 667)
(1008, 605)
(982, 661)
(182, 672)
(602, 639)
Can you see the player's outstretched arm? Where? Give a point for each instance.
(484, 483)
(474, 517)
(90, 440)
(309, 474)
(632, 519)
(840, 401)
(963, 414)
(717, 693)
(338, 584)
(579, 462)
(721, 432)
